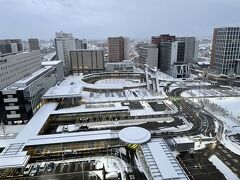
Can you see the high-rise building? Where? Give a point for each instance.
(162, 38)
(225, 57)
(171, 60)
(64, 43)
(33, 44)
(148, 54)
(86, 61)
(191, 48)
(118, 49)
(10, 46)
(79, 44)
(15, 66)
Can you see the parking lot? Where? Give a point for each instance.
(52, 170)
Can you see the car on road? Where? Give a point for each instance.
(34, 170)
(27, 169)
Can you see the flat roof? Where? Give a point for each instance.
(72, 137)
(35, 124)
(161, 162)
(82, 109)
(134, 135)
(68, 88)
(50, 63)
(182, 140)
(16, 161)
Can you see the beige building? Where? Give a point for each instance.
(86, 61)
(118, 49)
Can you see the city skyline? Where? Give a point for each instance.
(100, 19)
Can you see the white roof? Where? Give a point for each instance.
(72, 137)
(134, 135)
(15, 161)
(50, 63)
(161, 162)
(182, 140)
(68, 88)
(82, 109)
(35, 124)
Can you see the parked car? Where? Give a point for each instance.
(34, 170)
(27, 169)
(50, 167)
(42, 167)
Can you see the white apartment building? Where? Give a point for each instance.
(148, 54)
(64, 43)
(15, 66)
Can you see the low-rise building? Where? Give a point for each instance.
(125, 66)
(183, 144)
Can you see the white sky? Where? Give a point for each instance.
(98, 19)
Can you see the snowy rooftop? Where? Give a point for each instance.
(50, 63)
(14, 161)
(70, 87)
(182, 140)
(84, 108)
(72, 137)
(134, 135)
(13, 154)
(161, 162)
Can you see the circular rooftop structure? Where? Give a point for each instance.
(134, 135)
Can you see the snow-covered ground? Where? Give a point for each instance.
(230, 104)
(225, 109)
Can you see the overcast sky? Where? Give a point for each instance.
(98, 19)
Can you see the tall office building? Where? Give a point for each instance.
(148, 54)
(15, 66)
(33, 44)
(86, 61)
(64, 43)
(10, 46)
(171, 60)
(191, 48)
(225, 57)
(162, 38)
(118, 49)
